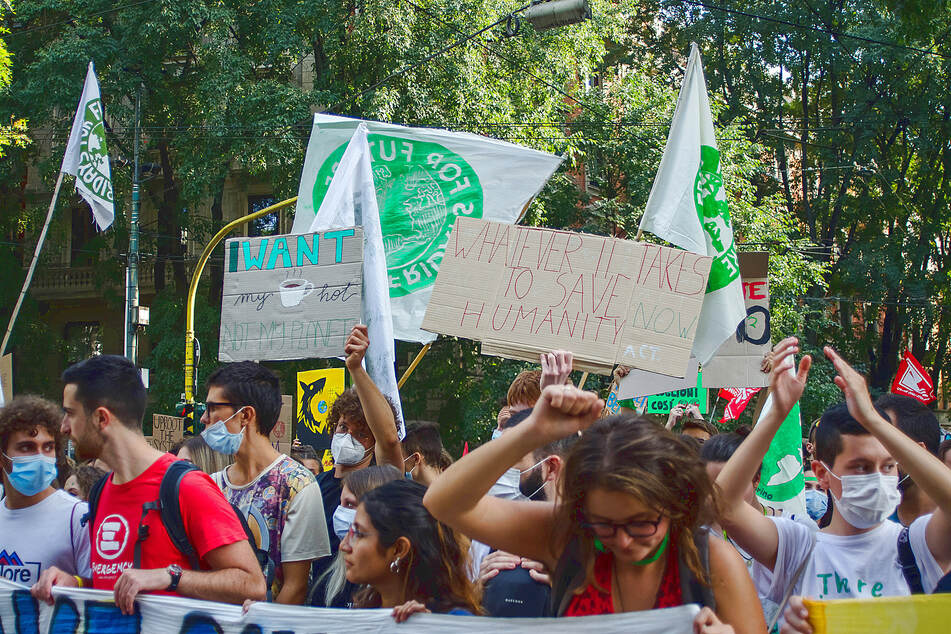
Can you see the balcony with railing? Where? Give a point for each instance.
(83, 282)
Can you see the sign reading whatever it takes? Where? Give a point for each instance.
(525, 290)
(290, 296)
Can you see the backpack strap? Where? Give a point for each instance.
(95, 492)
(169, 507)
(693, 590)
(909, 567)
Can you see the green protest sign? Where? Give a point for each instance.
(663, 403)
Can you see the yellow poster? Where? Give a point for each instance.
(316, 392)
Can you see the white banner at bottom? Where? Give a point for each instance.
(79, 611)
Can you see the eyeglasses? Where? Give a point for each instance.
(638, 528)
(354, 534)
(211, 405)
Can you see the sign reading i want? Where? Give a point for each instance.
(290, 296)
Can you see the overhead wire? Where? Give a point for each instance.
(812, 27)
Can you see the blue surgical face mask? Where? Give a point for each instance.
(31, 474)
(343, 518)
(817, 503)
(220, 439)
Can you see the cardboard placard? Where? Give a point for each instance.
(316, 392)
(522, 291)
(291, 296)
(166, 431)
(283, 432)
(6, 378)
(737, 362)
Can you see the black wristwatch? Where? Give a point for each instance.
(175, 572)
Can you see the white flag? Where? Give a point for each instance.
(87, 157)
(687, 207)
(425, 178)
(350, 201)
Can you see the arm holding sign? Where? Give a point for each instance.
(750, 529)
(458, 497)
(375, 406)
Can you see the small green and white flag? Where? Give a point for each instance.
(688, 207)
(87, 157)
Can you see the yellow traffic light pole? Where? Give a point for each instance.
(193, 290)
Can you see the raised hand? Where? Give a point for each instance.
(786, 383)
(556, 367)
(675, 414)
(563, 410)
(853, 386)
(356, 347)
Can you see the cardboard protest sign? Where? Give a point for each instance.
(663, 403)
(526, 290)
(316, 392)
(283, 432)
(291, 296)
(166, 431)
(87, 611)
(6, 378)
(737, 361)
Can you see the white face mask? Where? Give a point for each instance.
(507, 486)
(867, 500)
(347, 450)
(343, 518)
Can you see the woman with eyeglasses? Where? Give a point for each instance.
(625, 532)
(408, 560)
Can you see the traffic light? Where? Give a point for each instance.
(192, 413)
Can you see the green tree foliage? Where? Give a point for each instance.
(219, 87)
(851, 99)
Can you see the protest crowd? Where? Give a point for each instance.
(577, 506)
(565, 512)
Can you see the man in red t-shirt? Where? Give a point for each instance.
(104, 402)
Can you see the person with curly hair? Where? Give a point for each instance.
(39, 525)
(366, 432)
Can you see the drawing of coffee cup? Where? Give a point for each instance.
(294, 291)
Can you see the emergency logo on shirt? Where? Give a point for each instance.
(13, 568)
(111, 536)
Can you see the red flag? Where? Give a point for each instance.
(465, 449)
(913, 380)
(738, 398)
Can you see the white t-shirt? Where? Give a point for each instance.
(854, 566)
(46, 534)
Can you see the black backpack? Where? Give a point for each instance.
(909, 568)
(170, 511)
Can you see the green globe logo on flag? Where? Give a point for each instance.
(710, 200)
(93, 167)
(421, 189)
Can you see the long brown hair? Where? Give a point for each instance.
(636, 456)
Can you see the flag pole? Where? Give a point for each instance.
(412, 366)
(29, 273)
